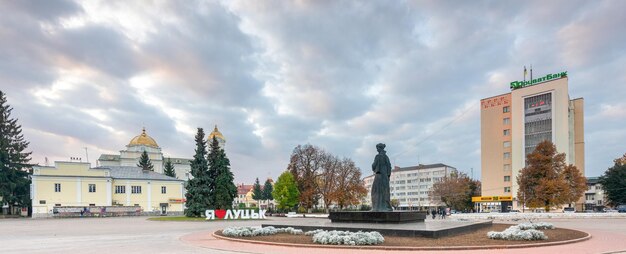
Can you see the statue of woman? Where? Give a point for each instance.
(380, 188)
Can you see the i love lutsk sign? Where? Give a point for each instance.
(234, 214)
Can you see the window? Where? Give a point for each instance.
(507, 166)
(506, 132)
(57, 187)
(507, 155)
(92, 188)
(507, 178)
(42, 202)
(163, 190)
(120, 189)
(57, 204)
(507, 189)
(506, 109)
(135, 189)
(506, 144)
(92, 204)
(506, 121)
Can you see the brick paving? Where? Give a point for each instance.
(138, 235)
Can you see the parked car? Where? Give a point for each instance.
(621, 208)
(569, 210)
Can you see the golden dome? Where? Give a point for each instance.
(143, 139)
(216, 133)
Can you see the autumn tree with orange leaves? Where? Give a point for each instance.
(547, 181)
(455, 191)
(323, 176)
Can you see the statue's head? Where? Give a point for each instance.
(380, 146)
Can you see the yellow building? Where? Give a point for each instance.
(76, 184)
(512, 124)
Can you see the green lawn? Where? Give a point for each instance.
(183, 218)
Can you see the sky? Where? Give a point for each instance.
(340, 75)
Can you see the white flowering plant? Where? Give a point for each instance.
(522, 232)
(538, 225)
(346, 238)
(319, 235)
(254, 231)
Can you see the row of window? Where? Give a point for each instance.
(57, 187)
(119, 189)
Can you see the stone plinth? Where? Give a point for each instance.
(377, 217)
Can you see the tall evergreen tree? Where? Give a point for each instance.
(268, 188)
(225, 189)
(144, 162)
(257, 193)
(14, 161)
(198, 192)
(168, 168)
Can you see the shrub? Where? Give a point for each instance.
(253, 231)
(346, 238)
(538, 225)
(319, 236)
(517, 233)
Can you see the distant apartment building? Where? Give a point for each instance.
(512, 124)
(595, 199)
(411, 186)
(244, 197)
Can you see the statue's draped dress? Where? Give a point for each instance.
(380, 188)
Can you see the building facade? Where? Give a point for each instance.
(143, 142)
(244, 197)
(512, 124)
(595, 199)
(76, 184)
(411, 186)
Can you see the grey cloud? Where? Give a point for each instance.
(49, 10)
(308, 72)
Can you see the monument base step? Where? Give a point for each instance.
(377, 217)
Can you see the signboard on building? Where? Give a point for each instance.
(525, 83)
(492, 199)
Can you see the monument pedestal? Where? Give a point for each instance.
(377, 217)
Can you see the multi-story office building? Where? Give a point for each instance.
(411, 186)
(512, 124)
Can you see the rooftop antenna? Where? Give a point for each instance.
(46, 162)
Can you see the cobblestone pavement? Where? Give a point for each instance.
(138, 235)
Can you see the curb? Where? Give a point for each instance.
(370, 247)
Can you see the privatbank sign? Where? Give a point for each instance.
(234, 214)
(520, 84)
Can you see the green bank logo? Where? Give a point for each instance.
(520, 84)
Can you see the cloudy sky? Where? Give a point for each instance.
(341, 75)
